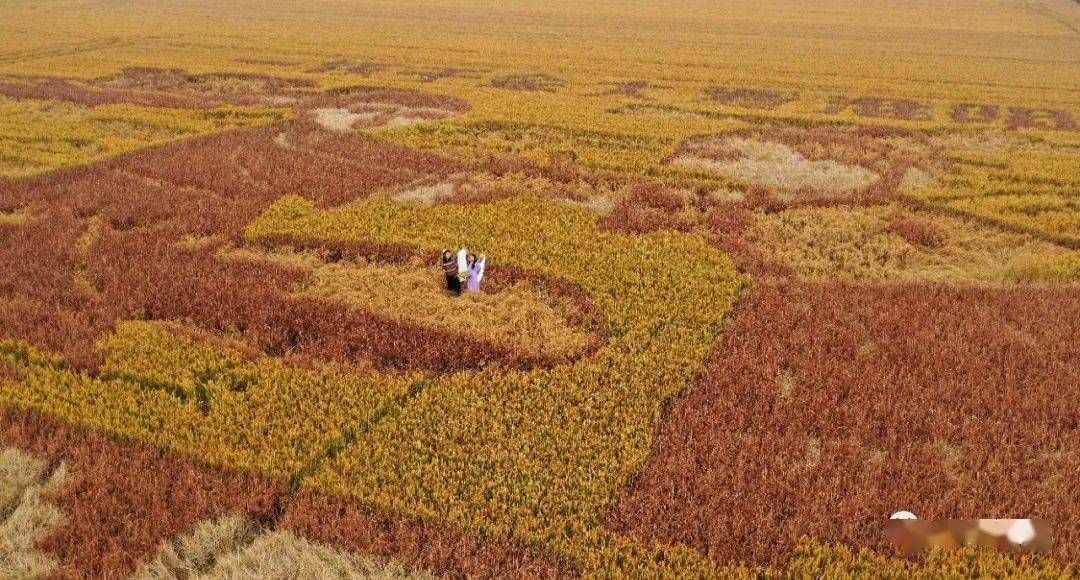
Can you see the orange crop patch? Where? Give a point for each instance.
(826, 408)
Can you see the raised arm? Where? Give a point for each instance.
(462, 259)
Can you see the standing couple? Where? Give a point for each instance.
(463, 270)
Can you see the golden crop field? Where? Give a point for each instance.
(761, 274)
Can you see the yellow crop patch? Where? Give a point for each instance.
(889, 244)
(537, 455)
(161, 387)
(36, 136)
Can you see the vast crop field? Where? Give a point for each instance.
(761, 273)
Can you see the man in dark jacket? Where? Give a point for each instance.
(450, 268)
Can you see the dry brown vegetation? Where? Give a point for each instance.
(343, 66)
(82, 93)
(208, 88)
(881, 108)
(26, 513)
(234, 546)
(631, 89)
(364, 107)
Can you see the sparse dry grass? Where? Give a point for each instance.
(339, 118)
(234, 546)
(26, 514)
(778, 166)
(890, 244)
(17, 472)
(196, 552)
(426, 194)
(284, 555)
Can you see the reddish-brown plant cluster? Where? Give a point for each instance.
(123, 500)
(750, 98)
(70, 91)
(626, 217)
(345, 96)
(444, 550)
(918, 232)
(268, 61)
(651, 207)
(1049, 119)
(825, 408)
(881, 108)
(730, 220)
(967, 113)
(211, 89)
(131, 265)
(432, 75)
(632, 89)
(527, 82)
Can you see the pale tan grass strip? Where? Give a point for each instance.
(26, 514)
